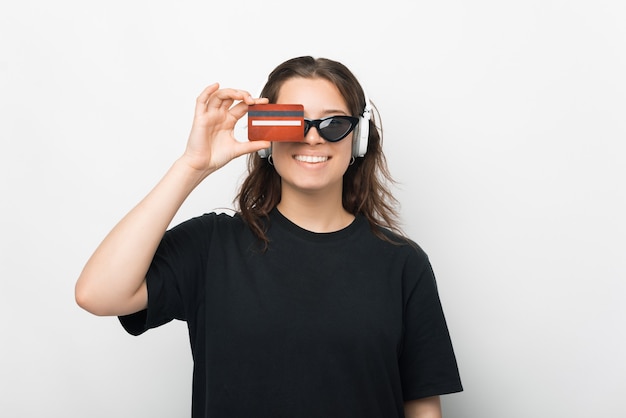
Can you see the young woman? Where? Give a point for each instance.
(307, 302)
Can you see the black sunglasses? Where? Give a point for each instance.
(333, 128)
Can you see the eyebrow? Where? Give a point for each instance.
(334, 112)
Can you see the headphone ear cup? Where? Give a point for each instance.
(361, 135)
(265, 152)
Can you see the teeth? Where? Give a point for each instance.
(311, 158)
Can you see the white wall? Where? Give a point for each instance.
(504, 124)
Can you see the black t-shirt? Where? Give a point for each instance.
(340, 324)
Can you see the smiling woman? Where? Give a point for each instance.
(311, 172)
(308, 302)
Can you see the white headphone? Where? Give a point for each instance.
(362, 131)
(360, 134)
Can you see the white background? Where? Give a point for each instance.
(504, 125)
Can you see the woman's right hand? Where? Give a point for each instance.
(211, 143)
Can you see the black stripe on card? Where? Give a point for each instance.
(275, 113)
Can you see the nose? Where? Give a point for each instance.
(313, 136)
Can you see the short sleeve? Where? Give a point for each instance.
(175, 277)
(428, 364)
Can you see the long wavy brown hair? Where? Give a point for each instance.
(365, 183)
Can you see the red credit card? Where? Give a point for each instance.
(276, 122)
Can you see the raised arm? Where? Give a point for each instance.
(113, 280)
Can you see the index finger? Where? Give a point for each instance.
(225, 98)
(241, 109)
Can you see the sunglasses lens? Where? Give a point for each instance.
(334, 129)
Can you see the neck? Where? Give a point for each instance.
(315, 212)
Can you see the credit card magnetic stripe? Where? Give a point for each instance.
(275, 113)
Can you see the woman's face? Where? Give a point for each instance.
(314, 165)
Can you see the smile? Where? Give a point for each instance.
(310, 158)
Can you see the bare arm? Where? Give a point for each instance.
(423, 408)
(113, 280)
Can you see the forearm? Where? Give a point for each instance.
(423, 408)
(113, 280)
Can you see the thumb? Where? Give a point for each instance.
(253, 146)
